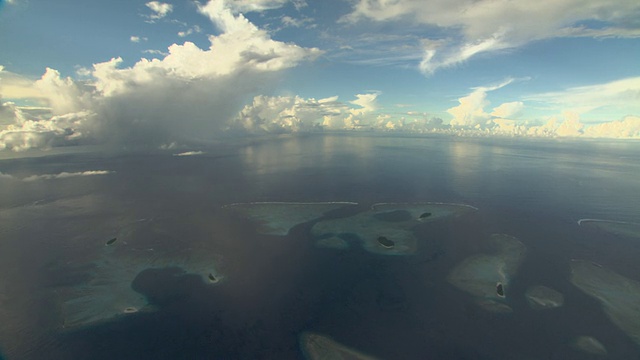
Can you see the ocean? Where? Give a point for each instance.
(203, 282)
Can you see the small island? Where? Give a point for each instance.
(212, 278)
(385, 242)
(424, 215)
(500, 289)
(111, 241)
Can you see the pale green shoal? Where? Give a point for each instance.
(541, 298)
(108, 293)
(621, 228)
(319, 347)
(589, 345)
(618, 295)
(277, 218)
(480, 274)
(395, 222)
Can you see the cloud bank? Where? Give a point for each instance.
(471, 117)
(189, 94)
(291, 114)
(477, 27)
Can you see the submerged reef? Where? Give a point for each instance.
(618, 295)
(142, 245)
(620, 228)
(387, 229)
(487, 276)
(319, 347)
(589, 345)
(333, 242)
(541, 298)
(277, 218)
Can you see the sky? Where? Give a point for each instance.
(166, 74)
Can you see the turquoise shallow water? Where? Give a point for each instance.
(173, 230)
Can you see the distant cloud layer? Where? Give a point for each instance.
(287, 114)
(470, 116)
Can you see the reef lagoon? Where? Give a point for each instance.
(327, 246)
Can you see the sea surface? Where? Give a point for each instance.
(274, 289)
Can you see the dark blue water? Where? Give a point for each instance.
(279, 287)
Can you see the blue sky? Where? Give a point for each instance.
(491, 67)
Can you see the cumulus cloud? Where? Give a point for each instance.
(14, 86)
(287, 114)
(470, 117)
(159, 9)
(629, 127)
(64, 95)
(470, 111)
(58, 130)
(9, 114)
(476, 27)
(366, 102)
(64, 175)
(291, 114)
(188, 94)
(510, 110)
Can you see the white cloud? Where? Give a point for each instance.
(299, 4)
(160, 9)
(189, 31)
(9, 113)
(475, 27)
(286, 114)
(288, 21)
(14, 86)
(189, 94)
(470, 111)
(5, 176)
(241, 6)
(137, 39)
(629, 127)
(64, 95)
(64, 175)
(367, 102)
(45, 133)
(623, 94)
(290, 114)
(155, 52)
(510, 110)
(571, 127)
